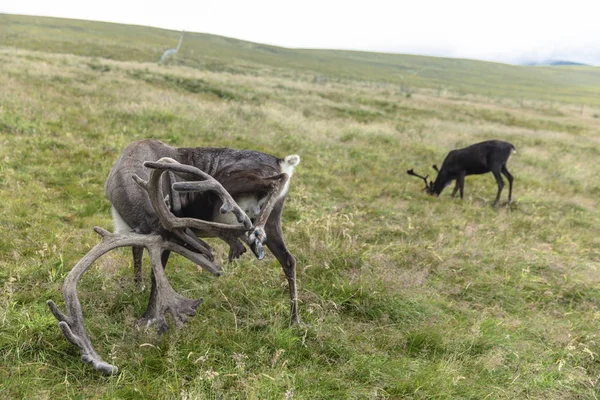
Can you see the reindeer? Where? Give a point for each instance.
(479, 158)
(188, 193)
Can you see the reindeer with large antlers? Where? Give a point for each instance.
(188, 193)
(479, 158)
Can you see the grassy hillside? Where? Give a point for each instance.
(402, 295)
(136, 43)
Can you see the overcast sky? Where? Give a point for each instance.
(497, 30)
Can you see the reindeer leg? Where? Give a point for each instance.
(455, 188)
(149, 316)
(461, 184)
(276, 244)
(500, 183)
(138, 253)
(510, 182)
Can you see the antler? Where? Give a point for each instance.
(172, 223)
(166, 299)
(411, 172)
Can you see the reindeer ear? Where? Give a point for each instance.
(436, 168)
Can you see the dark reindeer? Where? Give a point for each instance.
(479, 158)
(163, 199)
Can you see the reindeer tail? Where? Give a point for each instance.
(289, 163)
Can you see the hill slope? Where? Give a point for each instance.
(145, 44)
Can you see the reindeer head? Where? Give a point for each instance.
(428, 186)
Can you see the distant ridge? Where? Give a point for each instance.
(553, 63)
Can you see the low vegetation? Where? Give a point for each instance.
(402, 295)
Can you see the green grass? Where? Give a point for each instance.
(402, 295)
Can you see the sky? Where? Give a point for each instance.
(510, 31)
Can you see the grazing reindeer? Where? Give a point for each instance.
(480, 158)
(255, 179)
(202, 186)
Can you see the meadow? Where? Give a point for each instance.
(402, 295)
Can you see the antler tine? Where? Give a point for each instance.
(411, 172)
